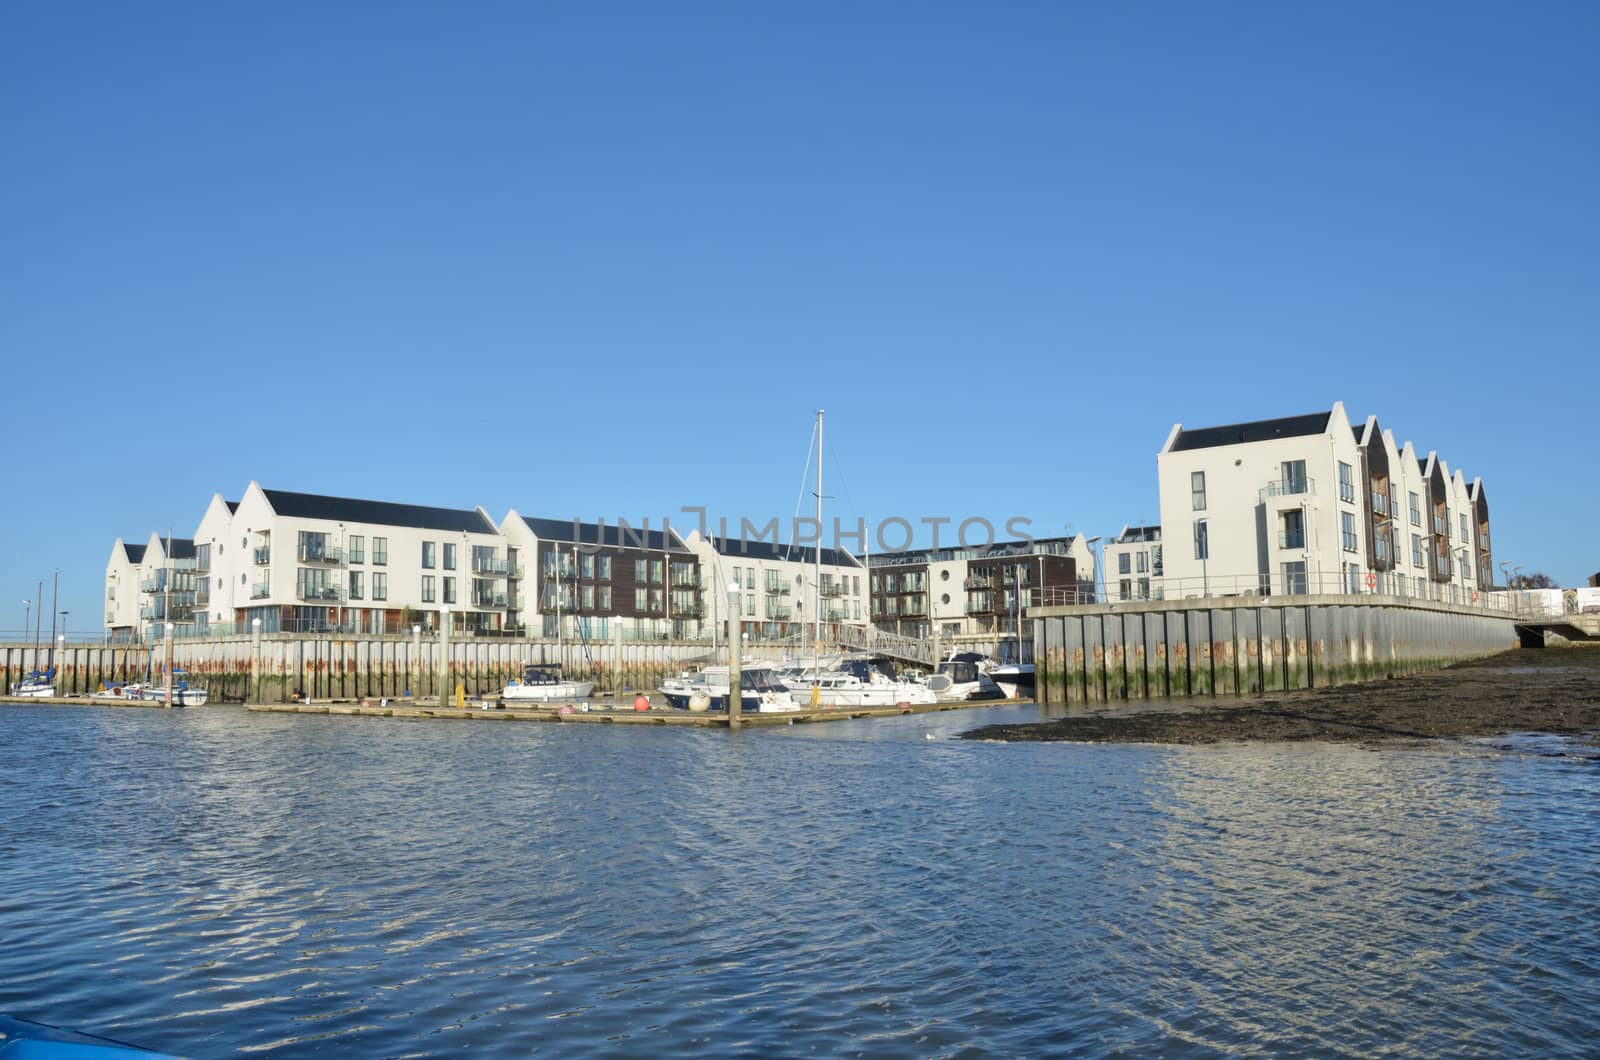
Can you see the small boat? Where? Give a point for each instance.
(183, 695)
(120, 690)
(543, 683)
(22, 1039)
(760, 691)
(964, 675)
(869, 681)
(39, 684)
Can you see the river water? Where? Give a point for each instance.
(217, 883)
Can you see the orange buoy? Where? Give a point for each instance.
(641, 702)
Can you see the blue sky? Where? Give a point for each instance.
(606, 259)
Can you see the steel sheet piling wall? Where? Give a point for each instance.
(1190, 648)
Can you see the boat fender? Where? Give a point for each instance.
(641, 702)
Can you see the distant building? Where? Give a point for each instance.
(1313, 504)
(780, 592)
(976, 590)
(591, 580)
(1594, 580)
(1133, 564)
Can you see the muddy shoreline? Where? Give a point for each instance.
(1553, 690)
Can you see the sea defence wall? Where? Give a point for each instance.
(270, 668)
(1236, 646)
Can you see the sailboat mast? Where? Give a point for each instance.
(816, 581)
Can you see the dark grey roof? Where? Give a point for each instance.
(135, 553)
(233, 507)
(1256, 431)
(179, 547)
(579, 532)
(377, 513)
(757, 549)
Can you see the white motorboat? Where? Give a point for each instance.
(965, 675)
(183, 694)
(868, 681)
(1015, 680)
(39, 684)
(760, 690)
(543, 683)
(120, 690)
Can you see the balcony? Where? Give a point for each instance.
(1289, 488)
(491, 565)
(978, 582)
(260, 590)
(320, 555)
(831, 589)
(778, 590)
(779, 612)
(319, 593)
(1291, 539)
(687, 580)
(263, 555)
(691, 609)
(983, 605)
(490, 600)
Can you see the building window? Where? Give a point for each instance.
(380, 551)
(1144, 588)
(427, 588)
(641, 599)
(1202, 543)
(449, 590)
(1293, 532)
(313, 547)
(1125, 589)
(1197, 490)
(380, 580)
(1293, 474)
(1416, 549)
(1463, 527)
(1144, 563)
(449, 555)
(750, 605)
(356, 550)
(1294, 578)
(605, 597)
(356, 592)
(586, 565)
(604, 568)
(1124, 563)
(1347, 522)
(588, 598)
(641, 570)
(1352, 578)
(1400, 583)
(428, 559)
(1416, 510)
(1347, 486)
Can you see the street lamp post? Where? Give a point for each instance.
(27, 615)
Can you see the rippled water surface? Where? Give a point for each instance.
(213, 882)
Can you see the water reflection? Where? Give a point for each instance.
(210, 881)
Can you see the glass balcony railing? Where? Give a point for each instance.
(489, 600)
(490, 565)
(263, 555)
(1291, 539)
(319, 592)
(260, 590)
(320, 555)
(1289, 487)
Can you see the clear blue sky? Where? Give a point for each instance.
(605, 259)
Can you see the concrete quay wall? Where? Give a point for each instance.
(1238, 646)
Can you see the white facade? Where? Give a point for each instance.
(1134, 564)
(779, 592)
(125, 571)
(1314, 504)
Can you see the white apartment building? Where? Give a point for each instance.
(780, 592)
(1134, 564)
(301, 562)
(1314, 504)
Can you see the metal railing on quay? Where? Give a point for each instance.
(1518, 603)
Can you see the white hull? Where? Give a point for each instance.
(181, 697)
(28, 690)
(565, 690)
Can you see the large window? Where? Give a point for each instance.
(1347, 485)
(641, 573)
(1293, 532)
(1144, 562)
(427, 589)
(380, 552)
(1202, 545)
(1293, 474)
(604, 569)
(1294, 578)
(1124, 563)
(1416, 550)
(1352, 578)
(586, 566)
(1197, 490)
(356, 550)
(449, 590)
(449, 555)
(429, 555)
(1347, 522)
(356, 588)
(380, 580)
(1416, 509)
(313, 546)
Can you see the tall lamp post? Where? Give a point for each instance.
(27, 614)
(1095, 555)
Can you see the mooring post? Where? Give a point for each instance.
(735, 703)
(444, 657)
(255, 661)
